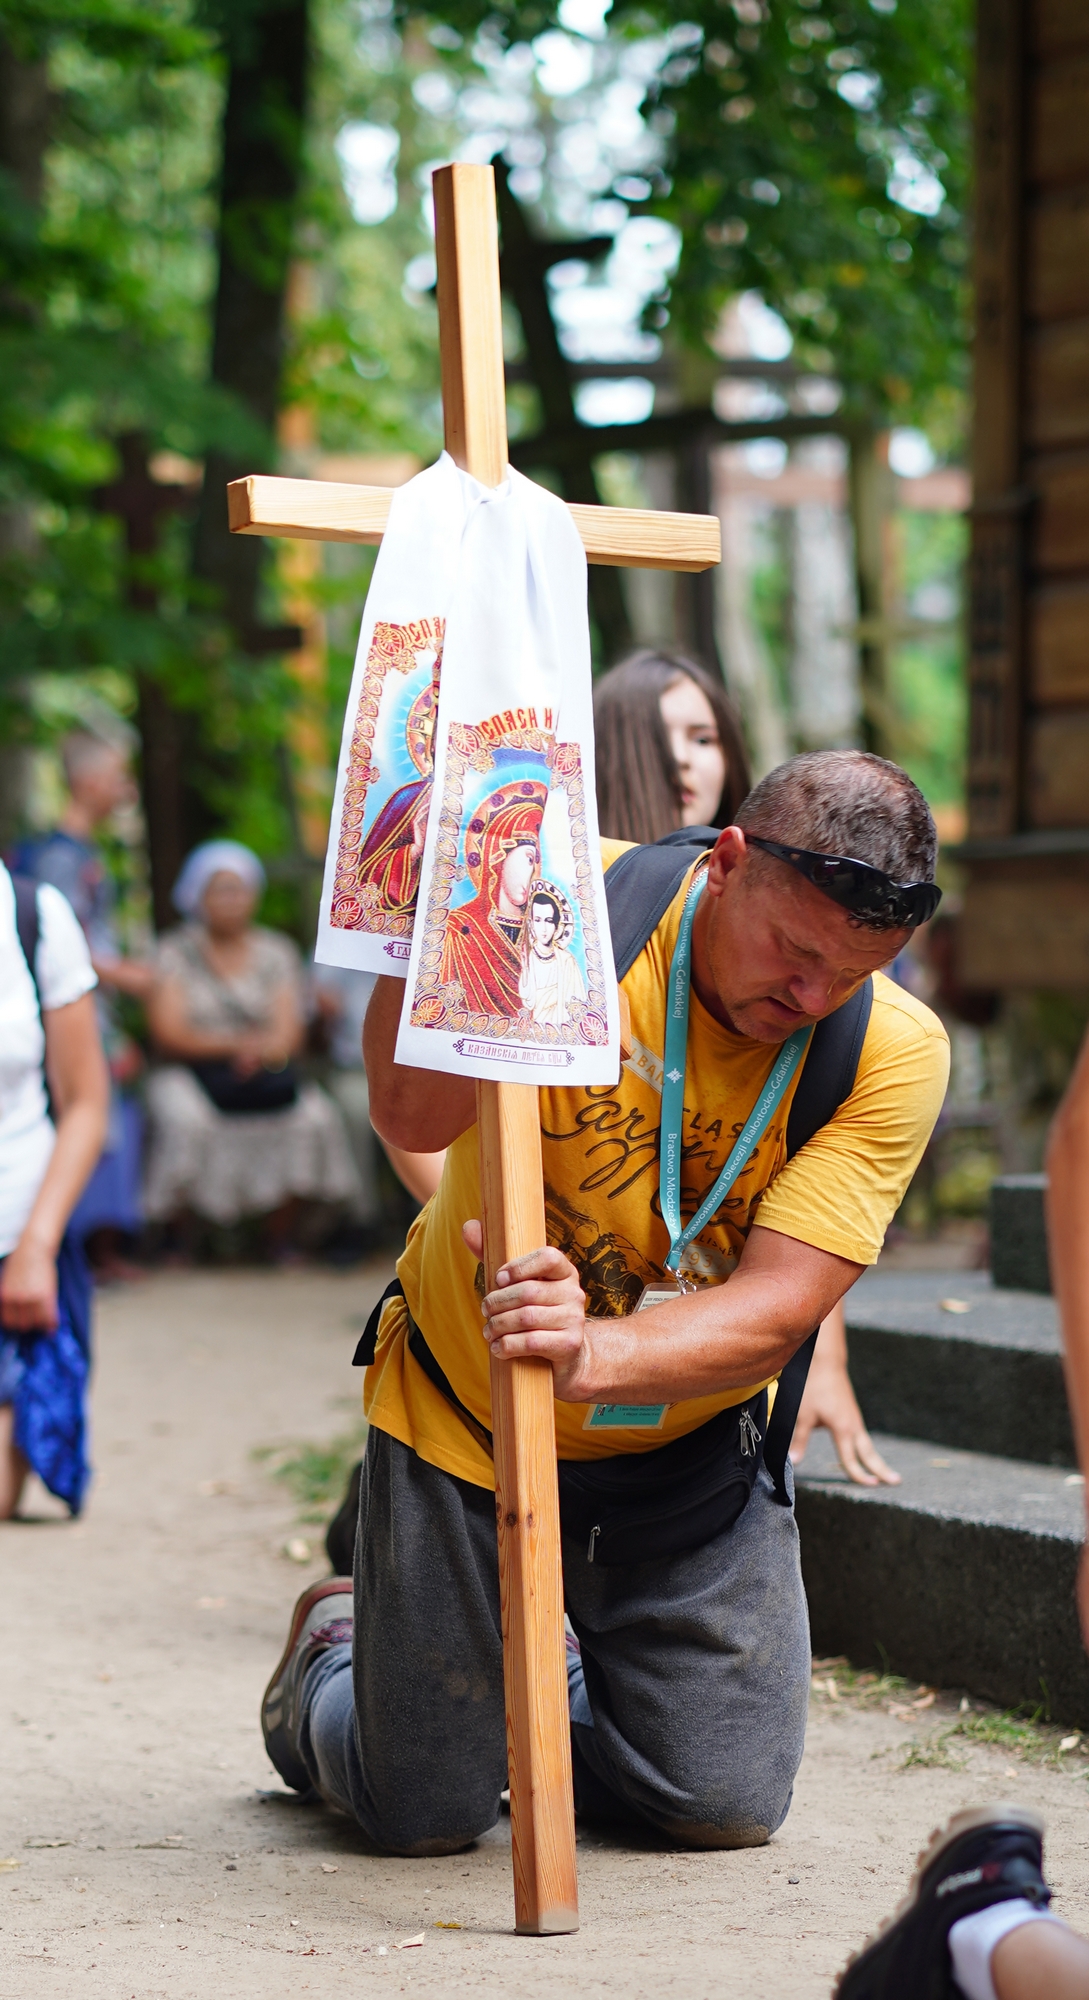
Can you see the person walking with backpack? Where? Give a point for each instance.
(703, 1217)
(54, 1098)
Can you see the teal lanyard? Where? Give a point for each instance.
(676, 1059)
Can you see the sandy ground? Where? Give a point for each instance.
(150, 1858)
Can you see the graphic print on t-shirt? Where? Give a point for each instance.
(611, 1270)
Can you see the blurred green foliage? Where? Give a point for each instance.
(813, 150)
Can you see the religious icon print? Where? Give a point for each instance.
(387, 788)
(549, 979)
(510, 952)
(502, 853)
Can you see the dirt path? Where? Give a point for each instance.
(136, 1646)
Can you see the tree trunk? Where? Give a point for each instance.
(26, 105)
(266, 44)
(262, 164)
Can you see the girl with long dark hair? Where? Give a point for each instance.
(670, 751)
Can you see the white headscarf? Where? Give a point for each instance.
(214, 857)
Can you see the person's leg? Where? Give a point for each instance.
(13, 1465)
(405, 1730)
(688, 1711)
(978, 1886)
(1041, 1961)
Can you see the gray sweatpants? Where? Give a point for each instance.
(687, 1710)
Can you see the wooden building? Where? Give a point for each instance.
(1027, 902)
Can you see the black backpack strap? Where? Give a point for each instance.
(784, 1415)
(28, 925)
(830, 1067)
(368, 1339)
(641, 884)
(827, 1080)
(421, 1353)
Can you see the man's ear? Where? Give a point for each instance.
(729, 853)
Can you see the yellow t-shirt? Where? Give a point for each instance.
(600, 1149)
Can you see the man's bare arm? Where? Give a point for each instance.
(721, 1337)
(418, 1110)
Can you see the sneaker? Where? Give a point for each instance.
(321, 1618)
(987, 1855)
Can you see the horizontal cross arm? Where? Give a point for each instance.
(321, 510)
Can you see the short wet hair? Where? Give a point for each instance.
(847, 802)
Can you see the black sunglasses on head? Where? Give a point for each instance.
(867, 892)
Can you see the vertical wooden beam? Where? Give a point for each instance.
(869, 482)
(996, 587)
(527, 1515)
(511, 1184)
(474, 405)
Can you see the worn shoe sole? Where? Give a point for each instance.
(943, 1836)
(276, 1741)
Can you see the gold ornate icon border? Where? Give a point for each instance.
(393, 648)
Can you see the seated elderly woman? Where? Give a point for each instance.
(235, 1131)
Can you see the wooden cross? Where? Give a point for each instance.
(511, 1178)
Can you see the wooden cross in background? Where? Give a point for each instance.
(511, 1179)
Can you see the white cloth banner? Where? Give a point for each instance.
(383, 789)
(511, 973)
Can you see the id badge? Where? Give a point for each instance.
(635, 1416)
(625, 1416)
(658, 1295)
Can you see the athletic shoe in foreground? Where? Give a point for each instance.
(987, 1855)
(321, 1618)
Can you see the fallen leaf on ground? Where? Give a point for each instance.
(330, 1867)
(925, 1700)
(439, 1925)
(33, 1842)
(7, 1864)
(1071, 1742)
(403, 1944)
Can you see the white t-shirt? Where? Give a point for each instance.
(64, 973)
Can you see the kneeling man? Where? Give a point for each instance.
(689, 1673)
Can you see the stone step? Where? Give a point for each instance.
(962, 1576)
(987, 1379)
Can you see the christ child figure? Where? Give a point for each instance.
(550, 978)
